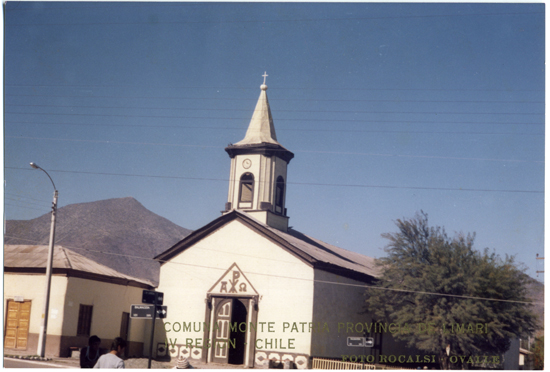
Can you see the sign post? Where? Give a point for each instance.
(360, 341)
(150, 312)
(142, 311)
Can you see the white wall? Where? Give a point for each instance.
(33, 287)
(284, 283)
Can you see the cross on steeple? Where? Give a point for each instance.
(265, 75)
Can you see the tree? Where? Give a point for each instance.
(538, 353)
(436, 281)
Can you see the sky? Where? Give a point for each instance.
(390, 109)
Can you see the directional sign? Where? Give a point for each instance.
(142, 311)
(361, 341)
(152, 297)
(162, 312)
(356, 341)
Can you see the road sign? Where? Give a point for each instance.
(361, 341)
(142, 311)
(152, 297)
(162, 312)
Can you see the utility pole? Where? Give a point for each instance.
(41, 351)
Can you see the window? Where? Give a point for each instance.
(247, 188)
(279, 194)
(84, 320)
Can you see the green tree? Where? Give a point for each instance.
(429, 278)
(538, 353)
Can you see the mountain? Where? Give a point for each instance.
(119, 233)
(535, 292)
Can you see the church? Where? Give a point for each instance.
(247, 289)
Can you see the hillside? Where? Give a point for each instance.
(119, 233)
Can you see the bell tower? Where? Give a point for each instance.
(257, 179)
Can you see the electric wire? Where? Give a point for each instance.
(275, 99)
(264, 21)
(296, 183)
(297, 151)
(278, 110)
(305, 279)
(294, 128)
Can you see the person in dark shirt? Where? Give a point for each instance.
(91, 353)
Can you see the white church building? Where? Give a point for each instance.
(246, 289)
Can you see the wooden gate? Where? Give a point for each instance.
(17, 325)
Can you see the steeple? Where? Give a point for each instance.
(260, 129)
(258, 169)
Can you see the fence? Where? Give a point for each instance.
(318, 363)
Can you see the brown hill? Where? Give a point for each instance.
(119, 233)
(535, 290)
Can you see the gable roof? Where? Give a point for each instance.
(311, 251)
(33, 259)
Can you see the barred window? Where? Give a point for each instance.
(84, 320)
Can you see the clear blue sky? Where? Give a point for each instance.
(389, 108)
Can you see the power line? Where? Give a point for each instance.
(298, 151)
(26, 197)
(296, 183)
(279, 129)
(279, 110)
(274, 88)
(26, 207)
(337, 120)
(248, 118)
(301, 279)
(39, 203)
(396, 100)
(264, 21)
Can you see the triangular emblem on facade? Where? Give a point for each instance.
(233, 282)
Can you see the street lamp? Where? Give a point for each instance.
(44, 326)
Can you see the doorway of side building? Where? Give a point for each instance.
(17, 324)
(124, 330)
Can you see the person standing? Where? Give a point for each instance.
(112, 359)
(90, 354)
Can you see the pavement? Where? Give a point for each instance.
(130, 363)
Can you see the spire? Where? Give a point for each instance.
(260, 129)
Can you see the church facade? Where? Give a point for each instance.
(246, 289)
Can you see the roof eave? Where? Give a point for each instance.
(215, 225)
(80, 274)
(267, 149)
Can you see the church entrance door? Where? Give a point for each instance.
(229, 334)
(232, 315)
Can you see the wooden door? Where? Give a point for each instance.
(124, 329)
(221, 340)
(17, 325)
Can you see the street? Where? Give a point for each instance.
(19, 363)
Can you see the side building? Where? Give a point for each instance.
(86, 299)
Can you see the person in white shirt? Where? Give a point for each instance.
(112, 359)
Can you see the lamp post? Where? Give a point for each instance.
(44, 326)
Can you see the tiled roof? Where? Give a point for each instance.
(35, 257)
